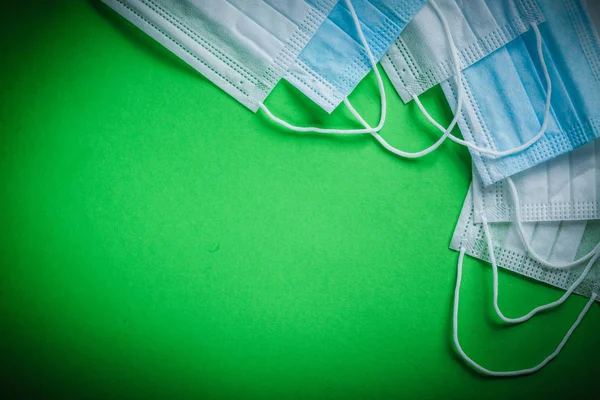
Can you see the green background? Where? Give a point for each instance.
(159, 240)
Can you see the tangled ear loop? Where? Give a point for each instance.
(486, 371)
(529, 143)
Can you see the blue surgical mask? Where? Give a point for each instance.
(507, 92)
(421, 58)
(334, 61)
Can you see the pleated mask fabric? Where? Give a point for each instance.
(243, 46)
(506, 98)
(566, 188)
(420, 59)
(334, 61)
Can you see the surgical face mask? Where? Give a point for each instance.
(557, 241)
(565, 188)
(421, 58)
(243, 46)
(507, 100)
(335, 61)
(570, 261)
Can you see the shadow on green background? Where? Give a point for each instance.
(161, 241)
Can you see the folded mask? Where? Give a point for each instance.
(243, 46)
(506, 97)
(335, 61)
(558, 241)
(421, 57)
(246, 46)
(561, 254)
(566, 188)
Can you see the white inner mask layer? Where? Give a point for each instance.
(566, 188)
(243, 46)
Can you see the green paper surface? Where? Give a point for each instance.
(159, 240)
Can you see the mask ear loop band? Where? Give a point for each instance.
(457, 112)
(529, 143)
(536, 310)
(486, 371)
(365, 44)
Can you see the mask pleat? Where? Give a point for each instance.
(422, 59)
(244, 47)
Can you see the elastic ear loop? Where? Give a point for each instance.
(382, 95)
(460, 100)
(544, 307)
(526, 145)
(457, 112)
(486, 371)
(592, 256)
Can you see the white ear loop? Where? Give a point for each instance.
(365, 44)
(592, 256)
(460, 100)
(536, 310)
(457, 112)
(529, 143)
(486, 371)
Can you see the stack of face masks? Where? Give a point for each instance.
(522, 77)
(534, 211)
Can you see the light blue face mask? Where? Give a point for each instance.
(335, 61)
(506, 94)
(374, 131)
(421, 58)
